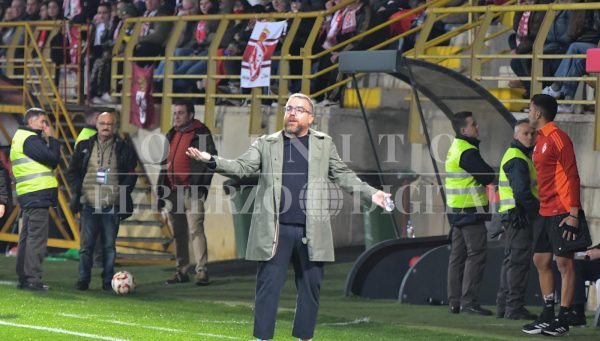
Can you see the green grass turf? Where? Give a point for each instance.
(223, 311)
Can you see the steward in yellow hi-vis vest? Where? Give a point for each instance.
(465, 180)
(519, 206)
(85, 134)
(33, 162)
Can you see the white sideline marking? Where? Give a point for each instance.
(61, 331)
(8, 283)
(365, 319)
(224, 322)
(133, 324)
(219, 336)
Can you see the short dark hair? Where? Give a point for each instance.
(460, 120)
(547, 106)
(33, 113)
(189, 106)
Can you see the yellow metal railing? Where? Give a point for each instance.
(124, 47)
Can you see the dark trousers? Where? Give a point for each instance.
(514, 271)
(271, 276)
(585, 270)
(104, 222)
(33, 239)
(466, 265)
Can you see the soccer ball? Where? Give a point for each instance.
(123, 283)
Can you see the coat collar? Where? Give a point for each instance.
(277, 136)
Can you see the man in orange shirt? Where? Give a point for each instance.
(558, 183)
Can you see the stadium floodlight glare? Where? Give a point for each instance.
(370, 61)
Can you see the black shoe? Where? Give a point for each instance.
(543, 321)
(21, 285)
(454, 310)
(106, 286)
(36, 287)
(520, 314)
(80, 285)
(556, 328)
(202, 278)
(500, 313)
(178, 278)
(576, 320)
(475, 310)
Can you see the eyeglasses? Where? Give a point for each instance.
(106, 124)
(298, 110)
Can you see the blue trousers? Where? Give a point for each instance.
(270, 279)
(572, 68)
(105, 223)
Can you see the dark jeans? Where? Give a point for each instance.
(466, 264)
(94, 222)
(32, 245)
(270, 278)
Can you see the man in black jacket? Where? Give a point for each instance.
(185, 184)
(467, 174)
(519, 206)
(34, 158)
(102, 176)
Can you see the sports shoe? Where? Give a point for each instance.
(36, 287)
(202, 278)
(551, 92)
(556, 328)
(107, 286)
(107, 98)
(475, 310)
(565, 109)
(80, 285)
(576, 320)
(178, 278)
(543, 321)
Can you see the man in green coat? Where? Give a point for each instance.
(291, 218)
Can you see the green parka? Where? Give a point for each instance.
(265, 157)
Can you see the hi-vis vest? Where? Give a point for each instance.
(85, 134)
(507, 199)
(31, 175)
(462, 190)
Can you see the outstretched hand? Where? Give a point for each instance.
(196, 154)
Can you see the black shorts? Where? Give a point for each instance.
(547, 235)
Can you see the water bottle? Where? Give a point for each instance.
(410, 231)
(389, 204)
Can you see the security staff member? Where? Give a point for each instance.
(33, 160)
(466, 177)
(519, 206)
(90, 127)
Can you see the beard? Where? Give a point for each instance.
(293, 130)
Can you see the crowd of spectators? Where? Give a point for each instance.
(572, 32)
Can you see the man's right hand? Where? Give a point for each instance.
(48, 131)
(196, 154)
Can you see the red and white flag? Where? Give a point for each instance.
(256, 64)
(142, 113)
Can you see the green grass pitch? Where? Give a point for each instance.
(222, 311)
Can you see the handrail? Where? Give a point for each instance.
(474, 54)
